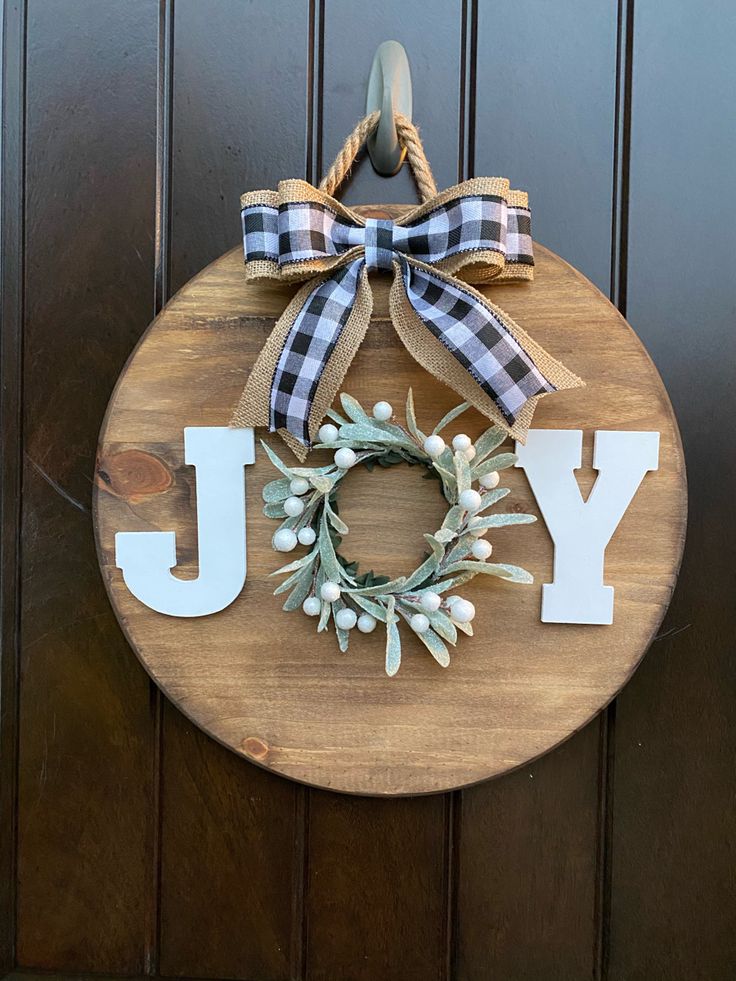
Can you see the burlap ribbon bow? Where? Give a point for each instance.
(300, 232)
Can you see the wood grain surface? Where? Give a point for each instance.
(131, 843)
(263, 682)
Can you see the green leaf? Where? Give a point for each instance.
(370, 432)
(444, 535)
(276, 490)
(488, 441)
(461, 548)
(411, 419)
(501, 462)
(375, 609)
(393, 586)
(296, 564)
(452, 414)
(393, 640)
(466, 628)
(436, 647)
(336, 417)
(332, 567)
(335, 520)
(276, 461)
(442, 625)
(295, 577)
(299, 594)
(447, 584)
(511, 572)
(437, 547)
(445, 459)
(453, 518)
(350, 567)
(310, 472)
(324, 617)
(369, 579)
(322, 483)
(446, 474)
(492, 497)
(445, 469)
(462, 472)
(274, 510)
(343, 636)
(353, 409)
(419, 575)
(352, 443)
(501, 520)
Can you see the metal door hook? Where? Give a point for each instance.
(389, 90)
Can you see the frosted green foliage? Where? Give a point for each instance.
(448, 562)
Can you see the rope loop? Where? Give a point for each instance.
(408, 137)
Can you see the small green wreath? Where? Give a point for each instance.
(325, 585)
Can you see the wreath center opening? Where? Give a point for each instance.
(388, 511)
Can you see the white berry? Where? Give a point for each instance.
(327, 433)
(284, 540)
(312, 606)
(463, 611)
(299, 485)
(345, 458)
(462, 442)
(430, 601)
(306, 536)
(293, 506)
(481, 549)
(469, 454)
(478, 532)
(434, 445)
(366, 623)
(470, 500)
(330, 591)
(382, 411)
(346, 619)
(489, 480)
(419, 623)
(452, 600)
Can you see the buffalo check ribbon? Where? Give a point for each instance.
(480, 227)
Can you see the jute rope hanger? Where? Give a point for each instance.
(409, 138)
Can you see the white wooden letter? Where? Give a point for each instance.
(146, 557)
(581, 530)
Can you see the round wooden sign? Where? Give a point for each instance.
(262, 681)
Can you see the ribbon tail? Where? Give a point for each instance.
(470, 344)
(304, 360)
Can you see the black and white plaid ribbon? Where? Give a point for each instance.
(306, 230)
(303, 238)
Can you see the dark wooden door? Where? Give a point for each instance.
(134, 845)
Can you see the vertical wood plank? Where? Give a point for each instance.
(375, 894)
(228, 861)
(673, 888)
(352, 32)
(529, 896)
(231, 835)
(11, 450)
(239, 103)
(85, 720)
(527, 869)
(378, 871)
(546, 80)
